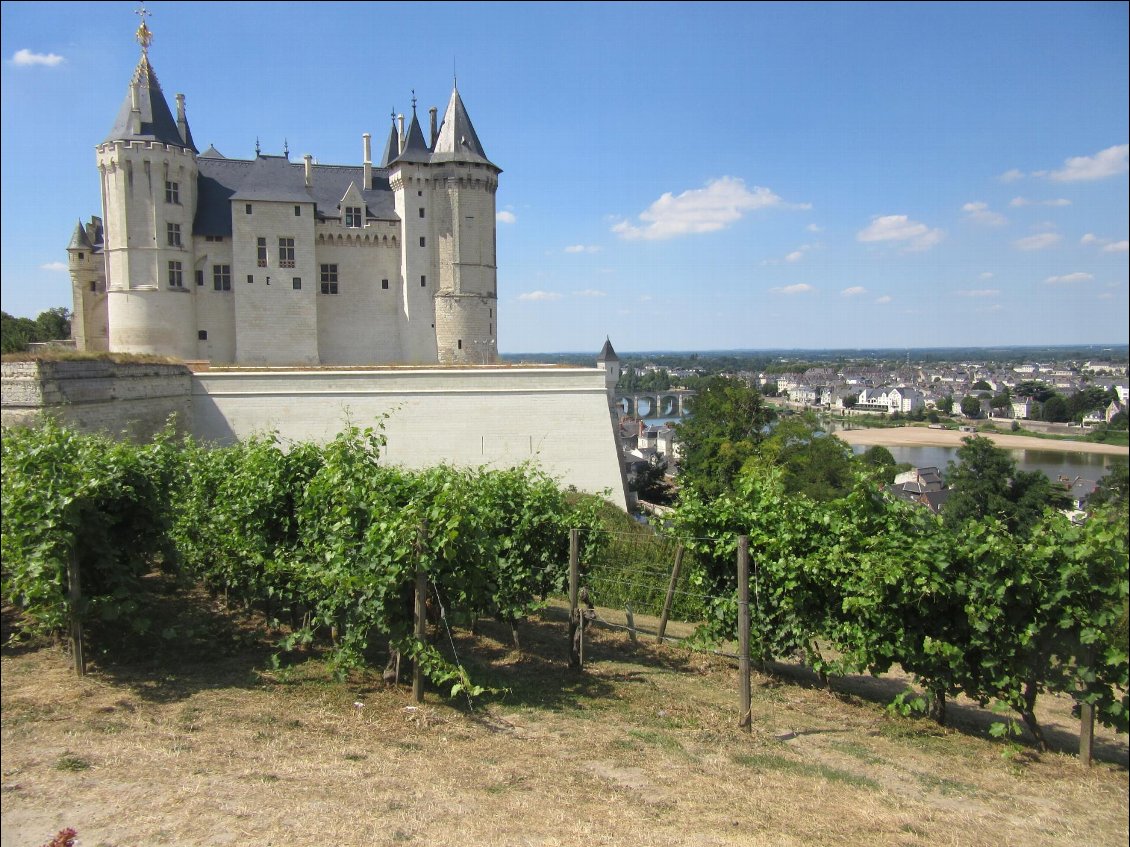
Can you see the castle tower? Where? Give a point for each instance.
(463, 223)
(148, 171)
(411, 184)
(88, 286)
(609, 362)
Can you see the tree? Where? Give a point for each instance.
(814, 464)
(986, 484)
(1002, 400)
(849, 401)
(1113, 488)
(981, 385)
(54, 324)
(880, 458)
(970, 406)
(1035, 389)
(945, 404)
(1088, 400)
(17, 333)
(727, 423)
(1055, 410)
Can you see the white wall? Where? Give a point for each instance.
(557, 418)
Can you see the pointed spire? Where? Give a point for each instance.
(458, 141)
(79, 239)
(145, 115)
(607, 354)
(415, 148)
(392, 146)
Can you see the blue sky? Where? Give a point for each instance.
(675, 176)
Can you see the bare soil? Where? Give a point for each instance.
(920, 436)
(201, 743)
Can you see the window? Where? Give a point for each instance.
(217, 239)
(81, 256)
(176, 275)
(221, 277)
(421, 211)
(384, 284)
(419, 193)
(298, 211)
(94, 286)
(286, 252)
(200, 277)
(201, 335)
(329, 279)
(423, 281)
(172, 192)
(421, 241)
(353, 217)
(296, 283)
(172, 231)
(250, 279)
(460, 343)
(247, 209)
(261, 252)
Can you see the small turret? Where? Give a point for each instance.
(609, 362)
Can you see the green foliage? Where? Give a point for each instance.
(1055, 409)
(986, 484)
(971, 406)
(66, 495)
(728, 422)
(816, 465)
(17, 333)
(945, 404)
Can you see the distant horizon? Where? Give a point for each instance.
(1114, 347)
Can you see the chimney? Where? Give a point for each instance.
(367, 145)
(309, 160)
(182, 124)
(435, 127)
(400, 146)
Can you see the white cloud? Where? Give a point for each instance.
(1069, 278)
(980, 213)
(1037, 242)
(590, 292)
(795, 256)
(582, 248)
(996, 307)
(539, 295)
(720, 203)
(1024, 201)
(987, 275)
(886, 298)
(900, 228)
(1089, 238)
(26, 59)
(505, 217)
(54, 266)
(854, 291)
(979, 292)
(1117, 247)
(814, 228)
(799, 288)
(1011, 176)
(1109, 162)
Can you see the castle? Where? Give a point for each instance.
(270, 262)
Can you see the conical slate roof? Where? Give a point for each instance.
(79, 240)
(157, 122)
(457, 140)
(607, 354)
(392, 147)
(415, 148)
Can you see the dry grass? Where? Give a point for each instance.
(204, 746)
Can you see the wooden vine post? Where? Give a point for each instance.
(420, 614)
(745, 720)
(574, 586)
(1087, 725)
(670, 599)
(74, 601)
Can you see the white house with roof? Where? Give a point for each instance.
(265, 261)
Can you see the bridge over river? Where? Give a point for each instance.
(654, 404)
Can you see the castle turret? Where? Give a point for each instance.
(149, 175)
(465, 181)
(609, 362)
(88, 286)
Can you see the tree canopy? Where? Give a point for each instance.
(17, 333)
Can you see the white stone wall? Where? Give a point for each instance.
(557, 418)
(215, 310)
(274, 323)
(412, 191)
(361, 324)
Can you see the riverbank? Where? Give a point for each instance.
(920, 436)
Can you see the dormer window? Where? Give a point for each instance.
(353, 218)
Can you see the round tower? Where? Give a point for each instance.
(465, 183)
(148, 173)
(88, 286)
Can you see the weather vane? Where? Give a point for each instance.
(413, 100)
(144, 35)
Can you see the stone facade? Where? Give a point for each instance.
(265, 261)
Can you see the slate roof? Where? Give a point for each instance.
(157, 122)
(607, 354)
(457, 140)
(79, 240)
(276, 179)
(415, 147)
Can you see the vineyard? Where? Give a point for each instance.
(337, 550)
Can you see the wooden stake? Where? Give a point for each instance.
(420, 614)
(574, 585)
(74, 600)
(669, 601)
(1086, 733)
(631, 624)
(745, 718)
